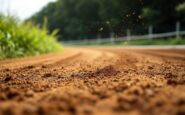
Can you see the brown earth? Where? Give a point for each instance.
(95, 82)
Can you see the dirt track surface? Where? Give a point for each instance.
(95, 82)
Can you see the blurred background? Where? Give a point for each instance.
(82, 18)
(104, 22)
(119, 20)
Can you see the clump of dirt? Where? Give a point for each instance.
(8, 78)
(107, 71)
(29, 67)
(9, 94)
(176, 82)
(47, 75)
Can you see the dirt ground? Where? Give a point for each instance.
(87, 81)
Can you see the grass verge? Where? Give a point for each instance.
(158, 41)
(25, 39)
(162, 41)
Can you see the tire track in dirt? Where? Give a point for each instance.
(95, 81)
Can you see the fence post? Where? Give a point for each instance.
(128, 34)
(85, 41)
(112, 38)
(150, 32)
(178, 30)
(98, 39)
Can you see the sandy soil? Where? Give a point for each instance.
(95, 82)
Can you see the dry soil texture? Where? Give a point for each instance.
(87, 81)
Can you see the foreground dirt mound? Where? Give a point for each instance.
(95, 81)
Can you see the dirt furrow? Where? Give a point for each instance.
(87, 81)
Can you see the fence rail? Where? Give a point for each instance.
(112, 39)
(126, 38)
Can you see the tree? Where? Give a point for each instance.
(79, 19)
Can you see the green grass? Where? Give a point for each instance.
(157, 41)
(167, 41)
(144, 41)
(25, 39)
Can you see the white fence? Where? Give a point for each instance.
(112, 39)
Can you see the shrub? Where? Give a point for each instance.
(24, 38)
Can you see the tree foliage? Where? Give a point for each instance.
(79, 19)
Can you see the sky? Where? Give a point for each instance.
(22, 8)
